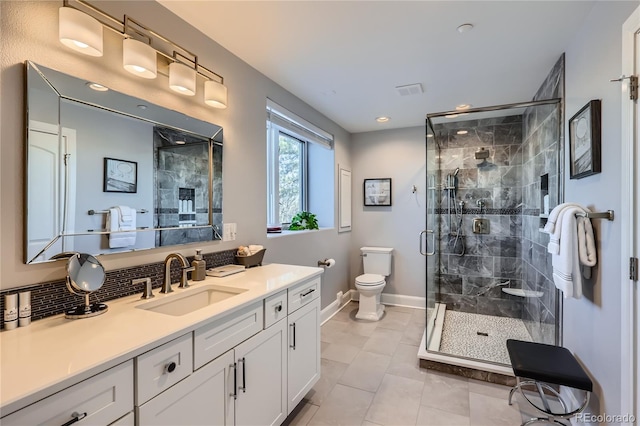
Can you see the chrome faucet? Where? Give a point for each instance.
(166, 286)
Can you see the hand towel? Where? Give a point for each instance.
(126, 214)
(120, 239)
(558, 213)
(549, 227)
(586, 246)
(566, 263)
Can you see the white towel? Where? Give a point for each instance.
(120, 239)
(555, 229)
(566, 264)
(586, 246)
(126, 214)
(549, 227)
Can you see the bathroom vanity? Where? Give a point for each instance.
(244, 349)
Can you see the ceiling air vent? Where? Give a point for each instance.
(409, 89)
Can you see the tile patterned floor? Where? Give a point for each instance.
(460, 335)
(370, 376)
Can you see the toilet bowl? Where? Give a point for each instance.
(370, 287)
(377, 266)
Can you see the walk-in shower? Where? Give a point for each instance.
(488, 274)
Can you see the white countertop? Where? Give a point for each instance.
(54, 353)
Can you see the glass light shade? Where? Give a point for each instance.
(139, 58)
(79, 31)
(182, 79)
(215, 94)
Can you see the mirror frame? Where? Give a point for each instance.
(153, 114)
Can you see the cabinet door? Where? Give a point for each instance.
(303, 352)
(205, 397)
(262, 378)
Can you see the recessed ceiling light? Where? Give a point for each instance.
(462, 132)
(462, 107)
(180, 142)
(451, 116)
(142, 106)
(98, 87)
(464, 28)
(382, 119)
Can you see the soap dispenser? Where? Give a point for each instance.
(199, 267)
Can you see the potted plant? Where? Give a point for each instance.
(303, 220)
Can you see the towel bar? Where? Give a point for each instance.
(92, 212)
(597, 215)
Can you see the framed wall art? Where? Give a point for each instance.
(120, 176)
(584, 141)
(377, 192)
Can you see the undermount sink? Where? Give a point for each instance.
(187, 301)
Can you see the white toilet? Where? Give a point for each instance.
(377, 266)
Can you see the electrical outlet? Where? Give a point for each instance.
(229, 231)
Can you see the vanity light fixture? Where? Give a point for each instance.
(215, 94)
(182, 79)
(79, 31)
(139, 58)
(382, 119)
(81, 28)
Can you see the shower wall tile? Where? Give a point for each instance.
(507, 267)
(508, 134)
(450, 284)
(471, 266)
(498, 307)
(507, 198)
(458, 302)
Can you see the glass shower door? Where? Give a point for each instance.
(430, 236)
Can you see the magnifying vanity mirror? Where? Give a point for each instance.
(107, 172)
(85, 274)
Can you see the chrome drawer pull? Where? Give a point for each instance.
(76, 418)
(305, 294)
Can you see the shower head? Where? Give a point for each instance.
(482, 154)
(456, 172)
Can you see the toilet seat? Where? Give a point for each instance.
(370, 279)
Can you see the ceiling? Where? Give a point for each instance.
(345, 58)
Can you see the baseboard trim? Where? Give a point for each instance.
(336, 306)
(397, 300)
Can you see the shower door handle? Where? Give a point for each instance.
(433, 235)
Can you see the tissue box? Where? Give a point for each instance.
(250, 261)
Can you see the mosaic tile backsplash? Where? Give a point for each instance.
(53, 298)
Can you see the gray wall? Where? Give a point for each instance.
(30, 31)
(399, 154)
(592, 323)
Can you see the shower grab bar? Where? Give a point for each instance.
(597, 215)
(428, 253)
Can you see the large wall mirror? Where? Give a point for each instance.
(107, 172)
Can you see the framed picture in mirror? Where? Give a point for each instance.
(120, 176)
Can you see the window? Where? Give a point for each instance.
(297, 162)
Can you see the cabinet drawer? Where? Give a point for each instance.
(163, 367)
(212, 340)
(303, 293)
(104, 398)
(275, 308)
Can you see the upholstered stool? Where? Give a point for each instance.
(538, 366)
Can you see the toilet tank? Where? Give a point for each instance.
(376, 260)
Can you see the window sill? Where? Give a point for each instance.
(289, 233)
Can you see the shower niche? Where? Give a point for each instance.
(492, 174)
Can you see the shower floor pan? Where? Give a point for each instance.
(472, 338)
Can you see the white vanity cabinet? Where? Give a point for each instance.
(303, 352)
(203, 398)
(100, 400)
(261, 364)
